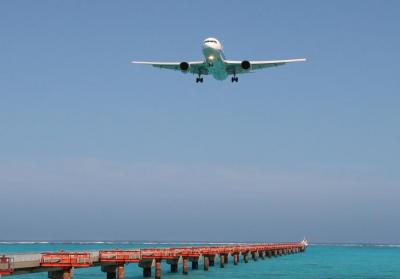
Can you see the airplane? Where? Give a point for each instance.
(215, 64)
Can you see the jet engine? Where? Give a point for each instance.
(184, 66)
(245, 65)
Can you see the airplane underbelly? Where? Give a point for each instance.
(219, 74)
(216, 66)
(217, 70)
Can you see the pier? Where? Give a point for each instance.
(61, 265)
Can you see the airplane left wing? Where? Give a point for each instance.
(240, 67)
(194, 67)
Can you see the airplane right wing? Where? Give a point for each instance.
(240, 67)
(194, 67)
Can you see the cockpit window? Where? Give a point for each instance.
(210, 41)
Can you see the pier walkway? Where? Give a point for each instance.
(61, 265)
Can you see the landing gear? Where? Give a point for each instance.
(199, 79)
(234, 78)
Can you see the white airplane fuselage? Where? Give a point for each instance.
(214, 56)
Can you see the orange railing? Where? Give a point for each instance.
(66, 259)
(83, 259)
(120, 256)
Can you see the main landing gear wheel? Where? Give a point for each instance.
(199, 79)
(234, 79)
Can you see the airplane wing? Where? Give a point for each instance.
(235, 67)
(194, 67)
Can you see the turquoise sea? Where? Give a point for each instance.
(319, 261)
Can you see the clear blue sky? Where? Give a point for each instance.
(92, 147)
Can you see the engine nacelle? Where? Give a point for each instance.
(245, 65)
(184, 66)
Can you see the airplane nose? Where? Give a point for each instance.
(206, 45)
(209, 46)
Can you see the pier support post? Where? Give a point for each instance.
(235, 259)
(174, 268)
(245, 258)
(206, 262)
(146, 265)
(62, 274)
(261, 255)
(174, 264)
(222, 260)
(211, 259)
(120, 271)
(254, 256)
(185, 265)
(111, 275)
(195, 265)
(195, 262)
(269, 254)
(158, 269)
(110, 270)
(146, 271)
(67, 274)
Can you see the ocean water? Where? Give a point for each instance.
(319, 261)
